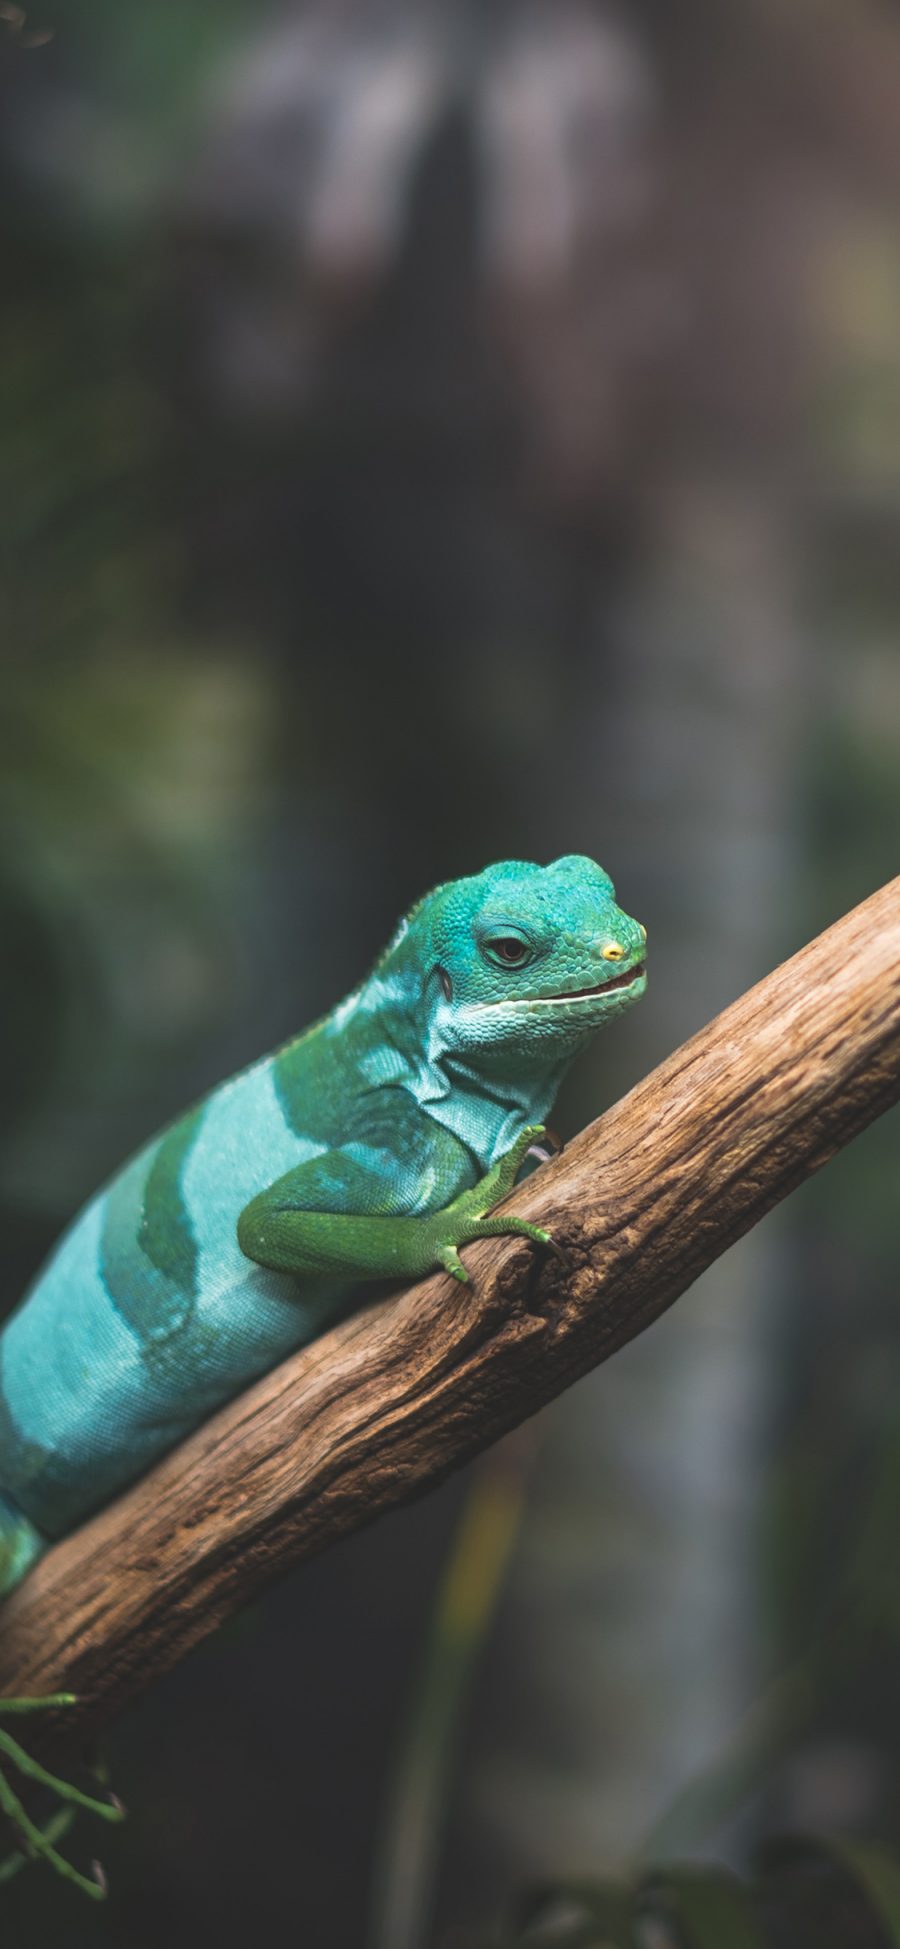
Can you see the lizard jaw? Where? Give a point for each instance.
(626, 980)
(636, 973)
(631, 978)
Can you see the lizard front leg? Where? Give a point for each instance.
(337, 1215)
(469, 1215)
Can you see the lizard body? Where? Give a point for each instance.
(371, 1146)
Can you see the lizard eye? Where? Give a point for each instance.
(507, 950)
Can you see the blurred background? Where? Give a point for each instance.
(431, 433)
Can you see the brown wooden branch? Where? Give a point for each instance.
(404, 1391)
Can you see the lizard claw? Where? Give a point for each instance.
(558, 1252)
(539, 1236)
(452, 1263)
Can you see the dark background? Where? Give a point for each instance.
(430, 434)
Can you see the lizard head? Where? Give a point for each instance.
(527, 962)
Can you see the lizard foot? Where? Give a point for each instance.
(469, 1216)
(39, 1843)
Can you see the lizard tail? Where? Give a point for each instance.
(20, 1544)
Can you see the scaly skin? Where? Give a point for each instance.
(372, 1146)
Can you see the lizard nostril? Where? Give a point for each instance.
(614, 952)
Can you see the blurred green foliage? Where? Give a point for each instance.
(807, 1893)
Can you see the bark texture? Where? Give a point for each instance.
(391, 1400)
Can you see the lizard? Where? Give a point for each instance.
(373, 1145)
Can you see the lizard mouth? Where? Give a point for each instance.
(623, 980)
(627, 979)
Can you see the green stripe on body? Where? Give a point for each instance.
(148, 1253)
(166, 1234)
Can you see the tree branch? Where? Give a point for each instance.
(395, 1397)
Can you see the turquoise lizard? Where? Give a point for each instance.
(373, 1146)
